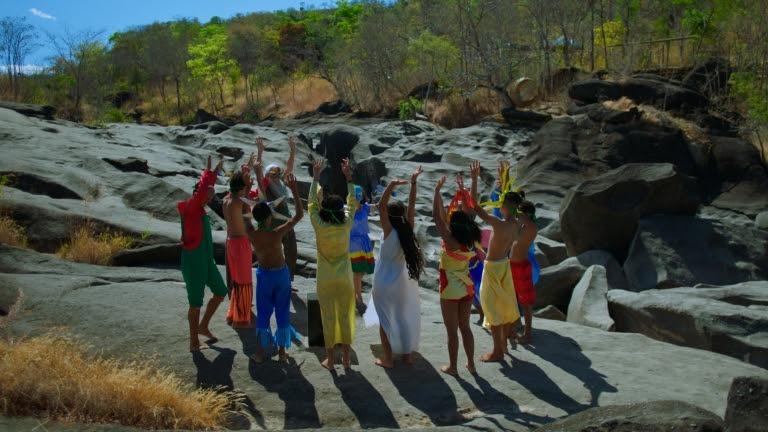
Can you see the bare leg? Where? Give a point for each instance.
(451, 319)
(527, 336)
(467, 338)
(408, 358)
(330, 360)
(282, 355)
(258, 356)
(499, 342)
(210, 309)
(386, 360)
(346, 359)
(358, 287)
(193, 316)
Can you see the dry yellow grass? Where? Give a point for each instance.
(11, 233)
(88, 246)
(55, 377)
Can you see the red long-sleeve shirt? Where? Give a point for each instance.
(193, 210)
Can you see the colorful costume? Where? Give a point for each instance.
(522, 278)
(360, 245)
(239, 257)
(497, 294)
(536, 269)
(455, 280)
(274, 295)
(395, 303)
(197, 265)
(335, 288)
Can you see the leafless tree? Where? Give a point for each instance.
(74, 51)
(18, 39)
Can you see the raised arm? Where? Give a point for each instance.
(290, 181)
(317, 168)
(352, 203)
(438, 214)
(412, 196)
(291, 155)
(386, 226)
(207, 179)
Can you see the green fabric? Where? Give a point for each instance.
(199, 269)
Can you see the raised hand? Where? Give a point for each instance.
(220, 164)
(317, 168)
(292, 143)
(460, 181)
(416, 174)
(208, 164)
(346, 168)
(503, 169)
(440, 183)
(290, 181)
(474, 169)
(398, 182)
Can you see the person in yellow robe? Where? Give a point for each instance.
(335, 286)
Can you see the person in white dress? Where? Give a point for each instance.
(394, 303)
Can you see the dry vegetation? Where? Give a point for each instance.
(55, 377)
(89, 246)
(11, 233)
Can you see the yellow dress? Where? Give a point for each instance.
(497, 294)
(335, 288)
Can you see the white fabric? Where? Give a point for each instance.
(395, 304)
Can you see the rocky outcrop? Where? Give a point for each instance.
(741, 176)
(602, 213)
(129, 164)
(334, 107)
(648, 89)
(550, 312)
(657, 416)
(747, 409)
(554, 251)
(731, 320)
(203, 116)
(588, 305)
(761, 220)
(673, 251)
(528, 118)
(30, 110)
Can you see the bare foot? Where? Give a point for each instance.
(471, 368)
(346, 362)
(194, 346)
(525, 339)
(327, 364)
(258, 357)
(450, 370)
(207, 333)
(384, 364)
(492, 357)
(408, 359)
(282, 355)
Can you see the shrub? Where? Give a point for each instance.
(113, 115)
(56, 377)
(408, 108)
(88, 246)
(11, 233)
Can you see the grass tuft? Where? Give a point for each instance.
(88, 246)
(11, 233)
(55, 377)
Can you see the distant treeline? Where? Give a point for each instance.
(373, 54)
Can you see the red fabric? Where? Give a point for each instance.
(239, 259)
(193, 210)
(523, 278)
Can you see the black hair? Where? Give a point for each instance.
(332, 210)
(261, 212)
(414, 259)
(514, 198)
(528, 208)
(195, 187)
(237, 182)
(464, 229)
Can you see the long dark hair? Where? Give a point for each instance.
(408, 241)
(464, 229)
(332, 210)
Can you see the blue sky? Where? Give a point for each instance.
(111, 15)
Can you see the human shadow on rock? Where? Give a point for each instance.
(290, 385)
(365, 402)
(491, 401)
(566, 354)
(422, 386)
(216, 375)
(540, 385)
(300, 317)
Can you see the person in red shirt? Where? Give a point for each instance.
(197, 264)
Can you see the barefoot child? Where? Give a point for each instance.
(459, 233)
(239, 254)
(497, 292)
(395, 304)
(273, 278)
(361, 248)
(197, 264)
(335, 289)
(521, 265)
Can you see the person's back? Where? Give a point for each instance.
(503, 237)
(239, 252)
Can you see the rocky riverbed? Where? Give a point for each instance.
(651, 246)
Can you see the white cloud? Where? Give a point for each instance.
(27, 69)
(38, 13)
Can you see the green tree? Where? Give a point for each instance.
(210, 61)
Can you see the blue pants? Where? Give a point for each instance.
(273, 295)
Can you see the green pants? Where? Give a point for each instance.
(199, 269)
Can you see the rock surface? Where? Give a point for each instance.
(588, 305)
(732, 320)
(747, 409)
(568, 369)
(657, 416)
(673, 251)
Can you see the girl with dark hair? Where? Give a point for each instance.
(335, 290)
(394, 301)
(459, 234)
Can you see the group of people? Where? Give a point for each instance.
(491, 268)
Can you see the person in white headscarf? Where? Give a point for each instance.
(272, 185)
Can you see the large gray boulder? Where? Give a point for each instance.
(747, 409)
(740, 175)
(656, 416)
(648, 89)
(730, 320)
(672, 251)
(588, 305)
(602, 213)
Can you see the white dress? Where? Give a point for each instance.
(395, 304)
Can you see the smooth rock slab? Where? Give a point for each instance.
(589, 305)
(747, 409)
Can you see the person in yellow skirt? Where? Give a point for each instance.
(497, 289)
(335, 288)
